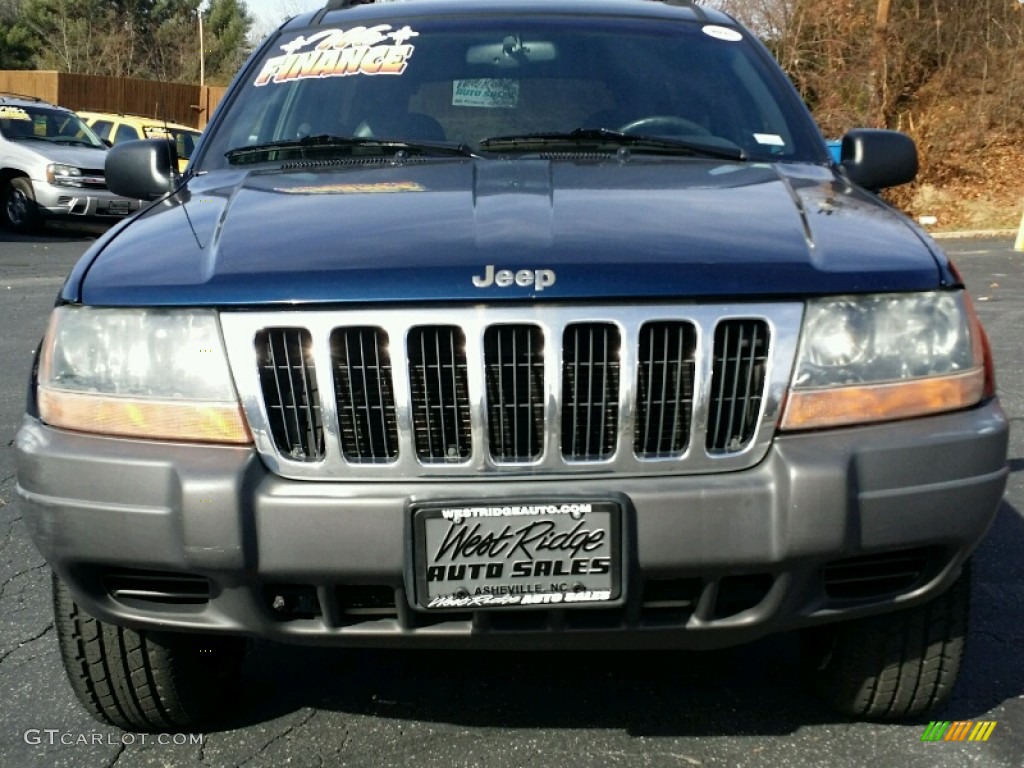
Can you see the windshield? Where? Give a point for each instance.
(23, 122)
(467, 80)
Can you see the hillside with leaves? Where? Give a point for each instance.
(948, 72)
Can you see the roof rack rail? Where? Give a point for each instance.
(12, 95)
(337, 5)
(694, 4)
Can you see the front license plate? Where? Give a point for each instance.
(517, 555)
(118, 208)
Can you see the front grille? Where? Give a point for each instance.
(289, 384)
(94, 173)
(737, 383)
(665, 379)
(590, 391)
(362, 387)
(534, 391)
(514, 371)
(440, 395)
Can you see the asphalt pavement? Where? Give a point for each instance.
(320, 707)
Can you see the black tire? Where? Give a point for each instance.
(144, 681)
(18, 205)
(894, 666)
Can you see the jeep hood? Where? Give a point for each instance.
(434, 230)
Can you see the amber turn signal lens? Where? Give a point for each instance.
(143, 418)
(863, 404)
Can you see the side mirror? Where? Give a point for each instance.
(107, 143)
(145, 170)
(877, 159)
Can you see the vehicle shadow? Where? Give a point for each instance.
(55, 232)
(754, 689)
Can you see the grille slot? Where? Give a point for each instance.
(157, 587)
(740, 593)
(514, 371)
(665, 378)
(872, 576)
(590, 391)
(364, 393)
(440, 393)
(288, 380)
(737, 384)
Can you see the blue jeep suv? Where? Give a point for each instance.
(511, 324)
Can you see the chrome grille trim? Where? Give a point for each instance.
(782, 321)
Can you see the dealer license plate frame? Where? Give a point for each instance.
(429, 526)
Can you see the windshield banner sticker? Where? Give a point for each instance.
(487, 92)
(377, 50)
(13, 113)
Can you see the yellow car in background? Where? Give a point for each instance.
(116, 128)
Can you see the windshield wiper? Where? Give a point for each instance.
(327, 142)
(31, 136)
(606, 138)
(74, 142)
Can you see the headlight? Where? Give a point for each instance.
(139, 373)
(64, 175)
(876, 358)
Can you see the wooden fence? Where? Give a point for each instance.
(175, 102)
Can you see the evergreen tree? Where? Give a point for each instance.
(227, 27)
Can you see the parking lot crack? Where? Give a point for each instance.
(10, 533)
(117, 756)
(3, 587)
(3, 657)
(995, 636)
(284, 734)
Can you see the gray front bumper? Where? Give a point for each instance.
(93, 504)
(56, 201)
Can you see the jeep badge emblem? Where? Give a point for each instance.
(503, 278)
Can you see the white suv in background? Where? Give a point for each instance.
(51, 166)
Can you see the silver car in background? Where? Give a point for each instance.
(51, 167)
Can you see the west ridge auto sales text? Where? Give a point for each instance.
(519, 569)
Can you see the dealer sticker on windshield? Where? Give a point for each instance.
(517, 555)
(486, 92)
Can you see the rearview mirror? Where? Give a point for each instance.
(511, 52)
(878, 159)
(142, 169)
